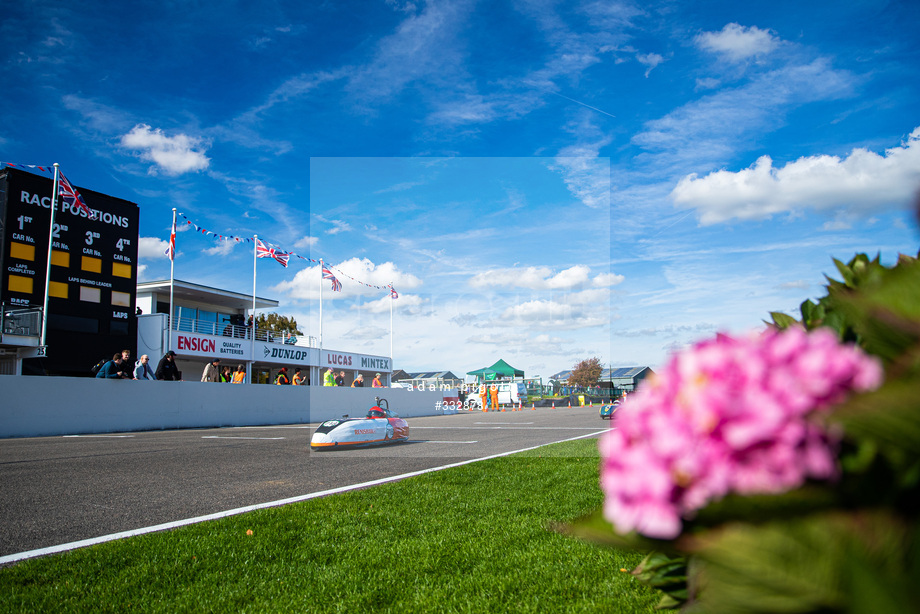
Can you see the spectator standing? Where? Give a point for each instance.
(142, 370)
(167, 369)
(298, 379)
(329, 377)
(126, 364)
(359, 382)
(377, 383)
(282, 379)
(226, 375)
(211, 371)
(239, 376)
(340, 379)
(113, 369)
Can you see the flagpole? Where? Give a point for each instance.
(321, 268)
(172, 283)
(252, 349)
(54, 196)
(391, 324)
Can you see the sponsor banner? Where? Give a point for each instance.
(234, 349)
(285, 354)
(355, 362)
(209, 346)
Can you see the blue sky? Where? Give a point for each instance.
(541, 181)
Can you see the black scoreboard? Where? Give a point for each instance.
(91, 304)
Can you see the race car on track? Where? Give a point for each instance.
(607, 411)
(380, 426)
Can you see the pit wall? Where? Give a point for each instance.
(49, 406)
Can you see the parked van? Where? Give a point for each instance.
(509, 393)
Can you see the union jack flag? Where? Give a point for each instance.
(70, 196)
(171, 249)
(393, 293)
(263, 251)
(336, 284)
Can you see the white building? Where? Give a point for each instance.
(211, 323)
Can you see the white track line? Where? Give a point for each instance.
(83, 543)
(445, 441)
(507, 428)
(103, 436)
(229, 437)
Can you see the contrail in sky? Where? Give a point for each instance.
(583, 104)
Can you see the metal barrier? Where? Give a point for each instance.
(23, 321)
(237, 331)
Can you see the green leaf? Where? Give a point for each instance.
(667, 574)
(889, 417)
(811, 313)
(595, 528)
(803, 565)
(763, 508)
(782, 320)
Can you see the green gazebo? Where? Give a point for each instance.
(500, 370)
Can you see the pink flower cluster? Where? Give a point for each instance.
(727, 416)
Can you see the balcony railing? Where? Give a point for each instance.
(237, 331)
(22, 321)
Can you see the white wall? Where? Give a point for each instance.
(43, 406)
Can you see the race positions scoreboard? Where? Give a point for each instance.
(93, 268)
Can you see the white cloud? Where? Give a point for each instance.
(356, 275)
(651, 60)
(306, 242)
(737, 43)
(405, 302)
(534, 278)
(221, 248)
(586, 176)
(707, 131)
(707, 83)
(863, 182)
(423, 46)
(605, 280)
(173, 154)
(151, 247)
(337, 225)
(554, 314)
(837, 224)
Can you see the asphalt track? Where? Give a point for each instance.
(61, 490)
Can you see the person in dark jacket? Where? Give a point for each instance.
(113, 368)
(167, 369)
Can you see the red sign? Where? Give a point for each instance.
(196, 344)
(342, 360)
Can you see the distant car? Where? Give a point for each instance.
(607, 411)
(380, 426)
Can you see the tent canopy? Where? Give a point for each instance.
(500, 369)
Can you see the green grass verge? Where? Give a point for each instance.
(467, 539)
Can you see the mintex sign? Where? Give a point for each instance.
(356, 362)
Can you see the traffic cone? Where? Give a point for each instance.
(533, 406)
